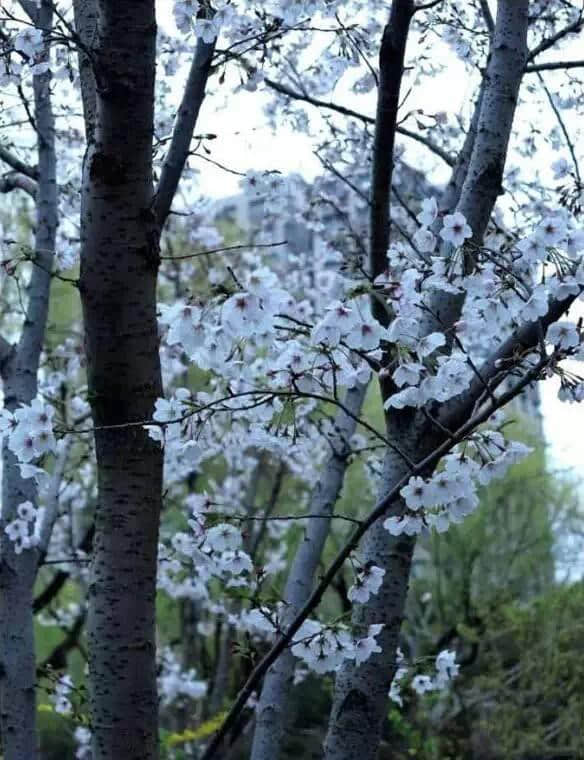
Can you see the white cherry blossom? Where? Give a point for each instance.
(455, 229)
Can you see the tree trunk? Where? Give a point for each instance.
(17, 649)
(19, 374)
(273, 710)
(361, 691)
(360, 698)
(119, 264)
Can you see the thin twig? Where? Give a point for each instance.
(562, 124)
(226, 249)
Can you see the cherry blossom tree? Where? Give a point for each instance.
(24, 528)
(253, 360)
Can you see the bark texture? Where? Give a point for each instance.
(19, 374)
(186, 119)
(119, 264)
(273, 710)
(360, 699)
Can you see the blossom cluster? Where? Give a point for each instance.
(446, 670)
(324, 649)
(29, 430)
(321, 648)
(175, 683)
(63, 690)
(451, 493)
(367, 583)
(82, 736)
(25, 530)
(207, 552)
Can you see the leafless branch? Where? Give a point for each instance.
(12, 182)
(548, 43)
(553, 66)
(188, 113)
(15, 163)
(487, 15)
(563, 127)
(6, 349)
(330, 106)
(52, 499)
(226, 249)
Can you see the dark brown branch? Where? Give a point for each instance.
(487, 15)
(182, 135)
(225, 249)
(391, 66)
(6, 350)
(379, 511)
(57, 660)
(427, 6)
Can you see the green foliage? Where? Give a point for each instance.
(206, 729)
(531, 687)
(56, 734)
(487, 587)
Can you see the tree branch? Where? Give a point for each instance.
(378, 511)
(546, 44)
(33, 330)
(563, 127)
(553, 66)
(51, 590)
(52, 499)
(391, 66)
(6, 350)
(493, 370)
(57, 660)
(15, 163)
(427, 6)
(31, 9)
(487, 15)
(188, 114)
(330, 106)
(18, 182)
(85, 16)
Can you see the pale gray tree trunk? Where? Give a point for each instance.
(273, 710)
(251, 544)
(360, 697)
(360, 700)
(19, 368)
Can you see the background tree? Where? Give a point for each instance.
(19, 364)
